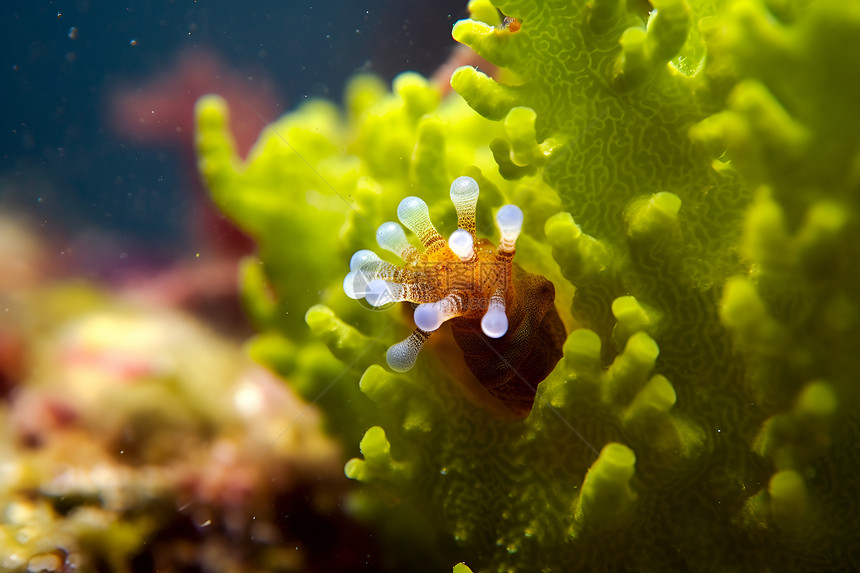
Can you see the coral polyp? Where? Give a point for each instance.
(503, 318)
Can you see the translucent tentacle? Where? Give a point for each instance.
(379, 292)
(373, 267)
(509, 220)
(464, 195)
(390, 236)
(495, 321)
(363, 258)
(430, 316)
(462, 243)
(401, 356)
(413, 213)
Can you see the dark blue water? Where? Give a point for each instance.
(63, 166)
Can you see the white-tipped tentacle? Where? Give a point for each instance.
(372, 267)
(390, 236)
(509, 220)
(413, 213)
(495, 321)
(363, 259)
(464, 195)
(431, 315)
(401, 356)
(355, 283)
(381, 292)
(462, 243)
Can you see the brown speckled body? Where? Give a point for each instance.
(511, 367)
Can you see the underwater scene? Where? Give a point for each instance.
(489, 286)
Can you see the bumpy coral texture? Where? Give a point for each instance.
(690, 179)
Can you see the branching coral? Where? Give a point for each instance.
(697, 167)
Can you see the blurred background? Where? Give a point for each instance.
(135, 432)
(95, 145)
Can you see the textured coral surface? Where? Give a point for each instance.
(690, 174)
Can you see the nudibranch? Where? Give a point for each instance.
(503, 318)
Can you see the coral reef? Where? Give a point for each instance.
(690, 174)
(135, 439)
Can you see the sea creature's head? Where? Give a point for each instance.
(503, 318)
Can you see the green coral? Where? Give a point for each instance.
(690, 177)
